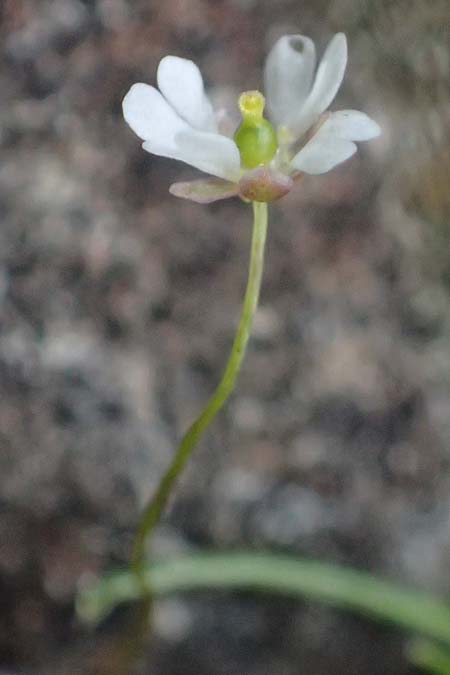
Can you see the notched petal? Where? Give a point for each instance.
(264, 185)
(352, 125)
(204, 191)
(288, 77)
(322, 153)
(181, 83)
(328, 79)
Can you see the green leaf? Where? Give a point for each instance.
(430, 656)
(341, 587)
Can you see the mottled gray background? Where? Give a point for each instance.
(118, 304)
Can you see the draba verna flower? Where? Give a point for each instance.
(263, 160)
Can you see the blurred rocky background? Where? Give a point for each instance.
(118, 304)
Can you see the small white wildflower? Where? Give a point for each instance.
(264, 158)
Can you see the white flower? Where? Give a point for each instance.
(178, 121)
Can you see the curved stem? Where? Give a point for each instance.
(153, 512)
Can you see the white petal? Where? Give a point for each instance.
(326, 84)
(182, 84)
(211, 153)
(288, 76)
(352, 125)
(322, 153)
(150, 116)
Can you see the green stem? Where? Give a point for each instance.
(153, 512)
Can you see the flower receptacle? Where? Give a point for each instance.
(264, 185)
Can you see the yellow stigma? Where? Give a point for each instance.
(251, 105)
(255, 137)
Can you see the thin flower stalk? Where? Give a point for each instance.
(156, 506)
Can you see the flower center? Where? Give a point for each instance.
(255, 137)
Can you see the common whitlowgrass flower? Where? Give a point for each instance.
(265, 157)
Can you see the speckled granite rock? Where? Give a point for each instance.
(117, 307)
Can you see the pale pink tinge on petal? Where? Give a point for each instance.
(204, 191)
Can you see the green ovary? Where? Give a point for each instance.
(255, 137)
